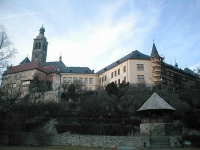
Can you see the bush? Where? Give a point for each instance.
(95, 129)
(194, 139)
(41, 136)
(191, 119)
(15, 139)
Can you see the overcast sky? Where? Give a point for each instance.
(95, 33)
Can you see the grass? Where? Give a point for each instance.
(74, 148)
(50, 148)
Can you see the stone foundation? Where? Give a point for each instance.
(155, 129)
(30, 139)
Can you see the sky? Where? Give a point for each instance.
(96, 33)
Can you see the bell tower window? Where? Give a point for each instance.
(39, 45)
(36, 45)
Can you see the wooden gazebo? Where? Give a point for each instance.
(155, 111)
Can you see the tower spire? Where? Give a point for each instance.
(154, 52)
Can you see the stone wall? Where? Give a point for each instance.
(174, 141)
(30, 139)
(157, 129)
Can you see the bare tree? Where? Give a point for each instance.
(6, 49)
(9, 94)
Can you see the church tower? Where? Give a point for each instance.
(40, 44)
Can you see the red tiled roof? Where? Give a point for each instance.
(51, 69)
(24, 67)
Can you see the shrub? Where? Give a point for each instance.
(41, 136)
(194, 139)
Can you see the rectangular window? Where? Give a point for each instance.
(140, 67)
(70, 79)
(90, 88)
(112, 75)
(26, 82)
(115, 82)
(118, 81)
(140, 77)
(105, 78)
(64, 79)
(100, 81)
(85, 88)
(124, 69)
(90, 80)
(115, 73)
(74, 79)
(86, 80)
(118, 71)
(125, 79)
(81, 80)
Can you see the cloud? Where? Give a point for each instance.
(96, 33)
(100, 42)
(19, 15)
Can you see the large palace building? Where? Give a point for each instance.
(135, 68)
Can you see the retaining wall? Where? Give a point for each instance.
(79, 140)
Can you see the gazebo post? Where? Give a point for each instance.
(149, 116)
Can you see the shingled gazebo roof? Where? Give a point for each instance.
(155, 102)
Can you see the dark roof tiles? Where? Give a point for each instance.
(63, 69)
(133, 55)
(58, 64)
(154, 52)
(79, 70)
(26, 60)
(155, 102)
(51, 69)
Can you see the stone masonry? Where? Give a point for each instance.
(157, 129)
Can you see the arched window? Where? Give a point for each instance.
(39, 45)
(36, 45)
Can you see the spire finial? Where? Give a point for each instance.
(153, 40)
(42, 30)
(175, 65)
(60, 58)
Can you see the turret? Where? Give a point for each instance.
(156, 63)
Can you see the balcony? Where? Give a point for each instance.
(156, 60)
(157, 69)
(156, 74)
(156, 65)
(157, 79)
